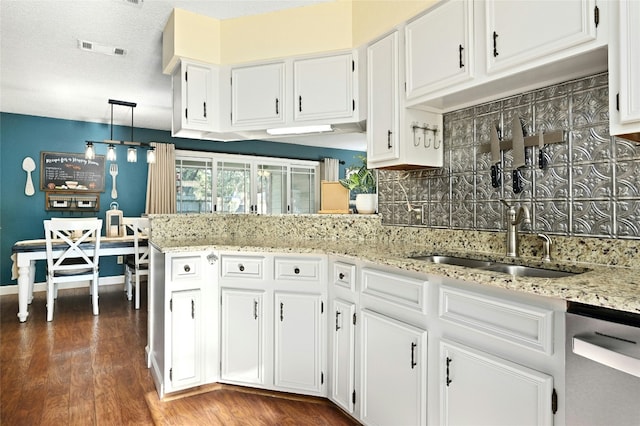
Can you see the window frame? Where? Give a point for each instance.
(214, 159)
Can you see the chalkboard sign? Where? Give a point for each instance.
(71, 171)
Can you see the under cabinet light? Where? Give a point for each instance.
(300, 130)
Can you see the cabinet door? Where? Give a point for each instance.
(629, 65)
(323, 87)
(298, 348)
(382, 115)
(257, 95)
(518, 32)
(439, 48)
(242, 336)
(394, 374)
(186, 339)
(480, 389)
(198, 81)
(343, 372)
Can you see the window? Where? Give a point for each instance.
(193, 181)
(211, 182)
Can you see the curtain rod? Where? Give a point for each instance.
(259, 155)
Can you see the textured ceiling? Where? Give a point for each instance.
(43, 73)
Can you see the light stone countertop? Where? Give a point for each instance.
(607, 286)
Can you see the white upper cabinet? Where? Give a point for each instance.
(193, 92)
(439, 48)
(519, 32)
(397, 137)
(624, 69)
(383, 112)
(323, 87)
(257, 95)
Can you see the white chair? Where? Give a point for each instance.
(136, 264)
(73, 251)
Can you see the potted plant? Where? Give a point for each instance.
(362, 181)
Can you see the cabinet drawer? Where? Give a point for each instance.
(524, 325)
(401, 290)
(187, 267)
(251, 267)
(344, 275)
(300, 269)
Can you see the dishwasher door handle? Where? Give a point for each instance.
(620, 354)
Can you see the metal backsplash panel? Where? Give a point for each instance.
(590, 186)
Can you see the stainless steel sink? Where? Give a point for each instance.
(527, 271)
(452, 260)
(505, 268)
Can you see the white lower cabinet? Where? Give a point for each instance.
(186, 336)
(480, 389)
(182, 320)
(243, 335)
(273, 331)
(394, 375)
(344, 357)
(298, 345)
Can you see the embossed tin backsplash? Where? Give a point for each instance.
(590, 187)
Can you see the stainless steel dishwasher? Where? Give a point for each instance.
(602, 366)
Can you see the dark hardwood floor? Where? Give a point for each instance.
(82, 369)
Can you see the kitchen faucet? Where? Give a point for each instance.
(515, 217)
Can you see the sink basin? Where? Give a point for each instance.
(527, 271)
(505, 268)
(452, 260)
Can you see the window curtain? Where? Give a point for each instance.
(161, 181)
(330, 169)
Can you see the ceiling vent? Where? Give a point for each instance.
(101, 48)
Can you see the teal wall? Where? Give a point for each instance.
(26, 136)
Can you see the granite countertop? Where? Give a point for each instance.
(606, 286)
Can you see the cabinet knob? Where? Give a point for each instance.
(187, 268)
(241, 267)
(296, 270)
(341, 276)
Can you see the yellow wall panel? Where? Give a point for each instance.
(192, 36)
(310, 29)
(372, 18)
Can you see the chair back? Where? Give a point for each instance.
(78, 245)
(139, 227)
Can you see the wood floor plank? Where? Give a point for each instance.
(82, 369)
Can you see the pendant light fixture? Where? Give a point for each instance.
(90, 152)
(132, 154)
(111, 152)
